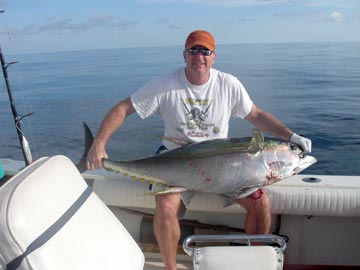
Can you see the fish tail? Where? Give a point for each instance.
(89, 138)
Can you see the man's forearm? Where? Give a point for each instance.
(268, 123)
(113, 120)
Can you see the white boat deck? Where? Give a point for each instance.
(153, 262)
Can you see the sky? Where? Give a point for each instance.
(31, 26)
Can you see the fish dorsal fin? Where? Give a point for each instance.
(257, 142)
(178, 142)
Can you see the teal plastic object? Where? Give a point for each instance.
(2, 173)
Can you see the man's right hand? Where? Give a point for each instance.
(95, 156)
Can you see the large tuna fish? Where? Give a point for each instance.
(234, 167)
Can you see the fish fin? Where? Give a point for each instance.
(186, 197)
(161, 189)
(231, 197)
(178, 142)
(229, 202)
(246, 193)
(114, 166)
(257, 142)
(89, 138)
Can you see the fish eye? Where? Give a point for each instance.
(293, 147)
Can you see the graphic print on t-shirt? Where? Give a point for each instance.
(196, 112)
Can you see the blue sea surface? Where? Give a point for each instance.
(314, 88)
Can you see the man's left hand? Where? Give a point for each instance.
(303, 142)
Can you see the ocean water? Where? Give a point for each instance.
(314, 88)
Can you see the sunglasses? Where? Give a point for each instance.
(195, 51)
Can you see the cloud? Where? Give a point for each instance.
(68, 25)
(100, 19)
(124, 25)
(293, 14)
(335, 16)
(59, 26)
(163, 21)
(177, 27)
(224, 3)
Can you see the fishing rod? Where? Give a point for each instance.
(17, 118)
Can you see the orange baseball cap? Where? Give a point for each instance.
(202, 38)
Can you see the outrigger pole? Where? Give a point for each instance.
(17, 119)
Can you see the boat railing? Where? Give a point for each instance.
(237, 239)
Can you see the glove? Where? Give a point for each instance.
(301, 141)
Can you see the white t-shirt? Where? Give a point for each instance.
(193, 113)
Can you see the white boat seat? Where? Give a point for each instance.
(51, 220)
(259, 257)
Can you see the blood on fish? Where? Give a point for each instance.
(202, 173)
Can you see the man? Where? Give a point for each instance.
(196, 103)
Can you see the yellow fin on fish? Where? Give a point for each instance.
(257, 143)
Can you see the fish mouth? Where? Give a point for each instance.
(304, 163)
